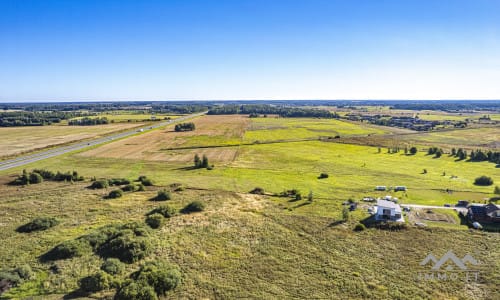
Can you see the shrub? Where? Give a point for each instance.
(298, 196)
(155, 220)
(112, 266)
(35, 178)
(483, 180)
(413, 150)
(162, 196)
(164, 210)
(135, 291)
(129, 188)
(100, 184)
(147, 182)
(496, 191)
(115, 194)
(11, 277)
(257, 191)
(38, 224)
(118, 181)
(195, 206)
(140, 187)
(161, 275)
(359, 227)
(323, 175)
(127, 246)
(25, 272)
(97, 282)
(68, 249)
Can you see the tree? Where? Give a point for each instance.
(197, 161)
(497, 190)
(483, 180)
(310, 196)
(204, 161)
(413, 150)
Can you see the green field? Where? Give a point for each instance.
(252, 246)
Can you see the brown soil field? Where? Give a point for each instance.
(168, 145)
(17, 140)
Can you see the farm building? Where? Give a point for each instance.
(489, 213)
(388, 211)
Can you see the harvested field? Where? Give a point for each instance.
(17, 140)
(168, 145)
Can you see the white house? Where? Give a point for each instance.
(388, 211)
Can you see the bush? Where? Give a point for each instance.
(147, 182)
(162, 276)
(100, 184)
(164, 210)
(257, 191)
(162, 196)
(24, 272)
(129, 188)
(119, 181)
(413, 150)
(195, 206)
(112, 266)
(359, 227)
(483, 180)
(135, 291)
(68, 249)
(38, 224)
(115, 194)
(298, 196)
(35, 178)
(155, 220)
(127, 247)
(97, 282)
(323, 175)
(140, 187)
(11, 277)
(496, 191)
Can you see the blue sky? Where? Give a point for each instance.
(249, 49)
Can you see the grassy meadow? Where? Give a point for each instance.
(258, 246)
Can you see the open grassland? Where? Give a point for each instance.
(272, 128)
(16, 140)
(241, 246)
(170, 146)
(487, 137)
(258, 246)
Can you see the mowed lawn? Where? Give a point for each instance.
(16, 140)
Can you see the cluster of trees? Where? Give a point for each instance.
(477, 155)
(437, 152)
(185, 127)
(39, 118)
(14, 277)
(483, 180)
(39, 175)
(451, 106)
(282, 111)
(201, 163)
(89, 121)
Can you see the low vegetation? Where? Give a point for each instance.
(185, 127)
(38, 224)
(195, 206)
(483, 180)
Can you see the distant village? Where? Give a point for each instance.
(414, 122)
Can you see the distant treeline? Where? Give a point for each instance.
(450, 106)
(25, 118)
(89, 121)
(287, 112)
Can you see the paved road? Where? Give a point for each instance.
(26, 159)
